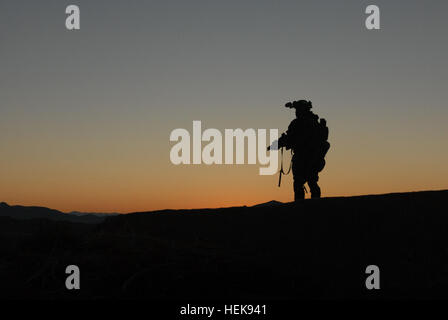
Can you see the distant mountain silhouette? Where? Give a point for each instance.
(315, 249)
(272, 203)
(99, 214)
(32, 212)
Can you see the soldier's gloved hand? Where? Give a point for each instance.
(273, 146)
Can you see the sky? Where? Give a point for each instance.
(86, 115)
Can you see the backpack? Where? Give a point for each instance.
(323, 129)
(323, 137)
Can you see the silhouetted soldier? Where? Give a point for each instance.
(307, 137)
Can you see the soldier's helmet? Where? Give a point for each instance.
(300, 105)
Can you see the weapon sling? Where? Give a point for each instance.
(281, 168)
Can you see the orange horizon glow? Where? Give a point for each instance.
(124, 171)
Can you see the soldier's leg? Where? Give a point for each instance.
(299, 192)
(299, 179)
(314, 187)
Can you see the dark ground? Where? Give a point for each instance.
(318, 249)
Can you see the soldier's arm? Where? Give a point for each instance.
(285, 138)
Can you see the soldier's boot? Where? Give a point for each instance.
(299, 192)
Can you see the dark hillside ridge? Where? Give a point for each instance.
(317, 249)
